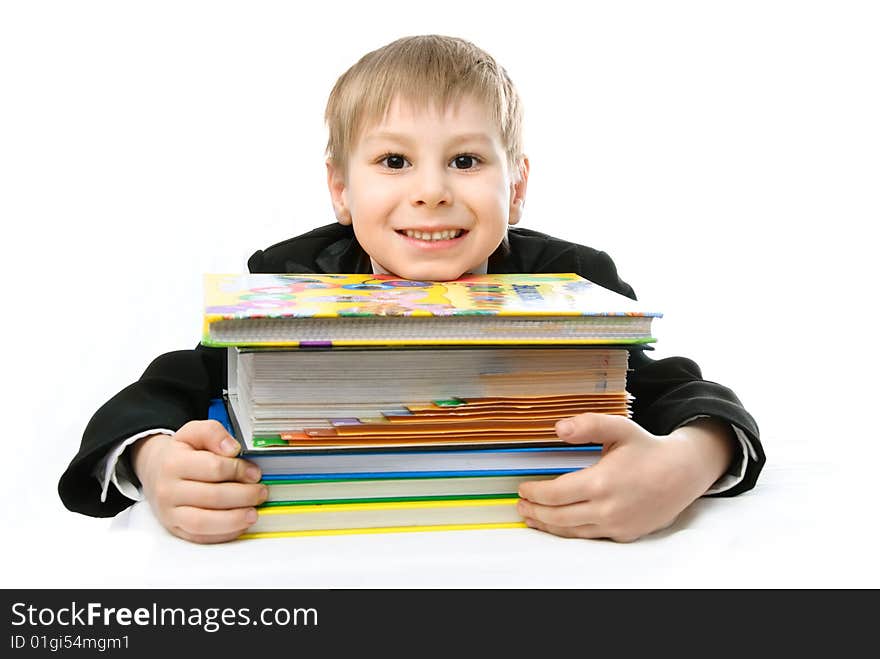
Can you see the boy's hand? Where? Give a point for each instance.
(640, 484)
(195, 486)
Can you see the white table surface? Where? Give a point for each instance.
(787, 532)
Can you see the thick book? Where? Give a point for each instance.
(348, 309)
(386, 397)
(384, 517)
(282, 465)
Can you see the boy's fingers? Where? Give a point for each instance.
(203, 522)
(208, 436)
(594, 428)
(204, 539)
(568, 488)
(210, 468)
(221, 496)
(578, 514)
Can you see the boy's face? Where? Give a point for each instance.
(430, 193)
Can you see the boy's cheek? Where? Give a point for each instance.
(371, 211)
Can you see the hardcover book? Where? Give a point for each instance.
(404, 397)
(349, 309)
(383, 517)
(329, 489)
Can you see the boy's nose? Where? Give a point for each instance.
(431, 189)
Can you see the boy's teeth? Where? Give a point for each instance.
(440, 235)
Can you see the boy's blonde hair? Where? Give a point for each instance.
(424, 70)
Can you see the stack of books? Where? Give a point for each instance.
(376, 404)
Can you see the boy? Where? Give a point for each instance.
(425, 171)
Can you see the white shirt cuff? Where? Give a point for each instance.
(112, 469)
(729, 480)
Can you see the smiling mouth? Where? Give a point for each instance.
(448, 234)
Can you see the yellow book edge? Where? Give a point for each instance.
(207, 341)
(384, 529)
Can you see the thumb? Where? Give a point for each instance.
(208, 436)
(594, 428)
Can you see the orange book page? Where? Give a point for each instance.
(421, 440)
(509, 415)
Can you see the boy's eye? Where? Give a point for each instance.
(394, 161)
(464, 162)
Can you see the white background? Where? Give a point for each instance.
(724, 154)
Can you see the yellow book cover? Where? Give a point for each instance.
(323, 310)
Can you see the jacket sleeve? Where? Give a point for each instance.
(174, 389)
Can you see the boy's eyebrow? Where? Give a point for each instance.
(407, 139)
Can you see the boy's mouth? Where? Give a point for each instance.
(432, 236)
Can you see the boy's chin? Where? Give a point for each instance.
(423, 273)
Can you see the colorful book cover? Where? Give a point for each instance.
(565, 297)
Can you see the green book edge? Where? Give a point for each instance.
(313, 502)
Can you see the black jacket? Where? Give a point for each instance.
(177, 386)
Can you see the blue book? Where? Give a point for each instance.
(217, 412)
(425, 463)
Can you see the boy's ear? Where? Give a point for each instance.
(336, 184)
(518, 190)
